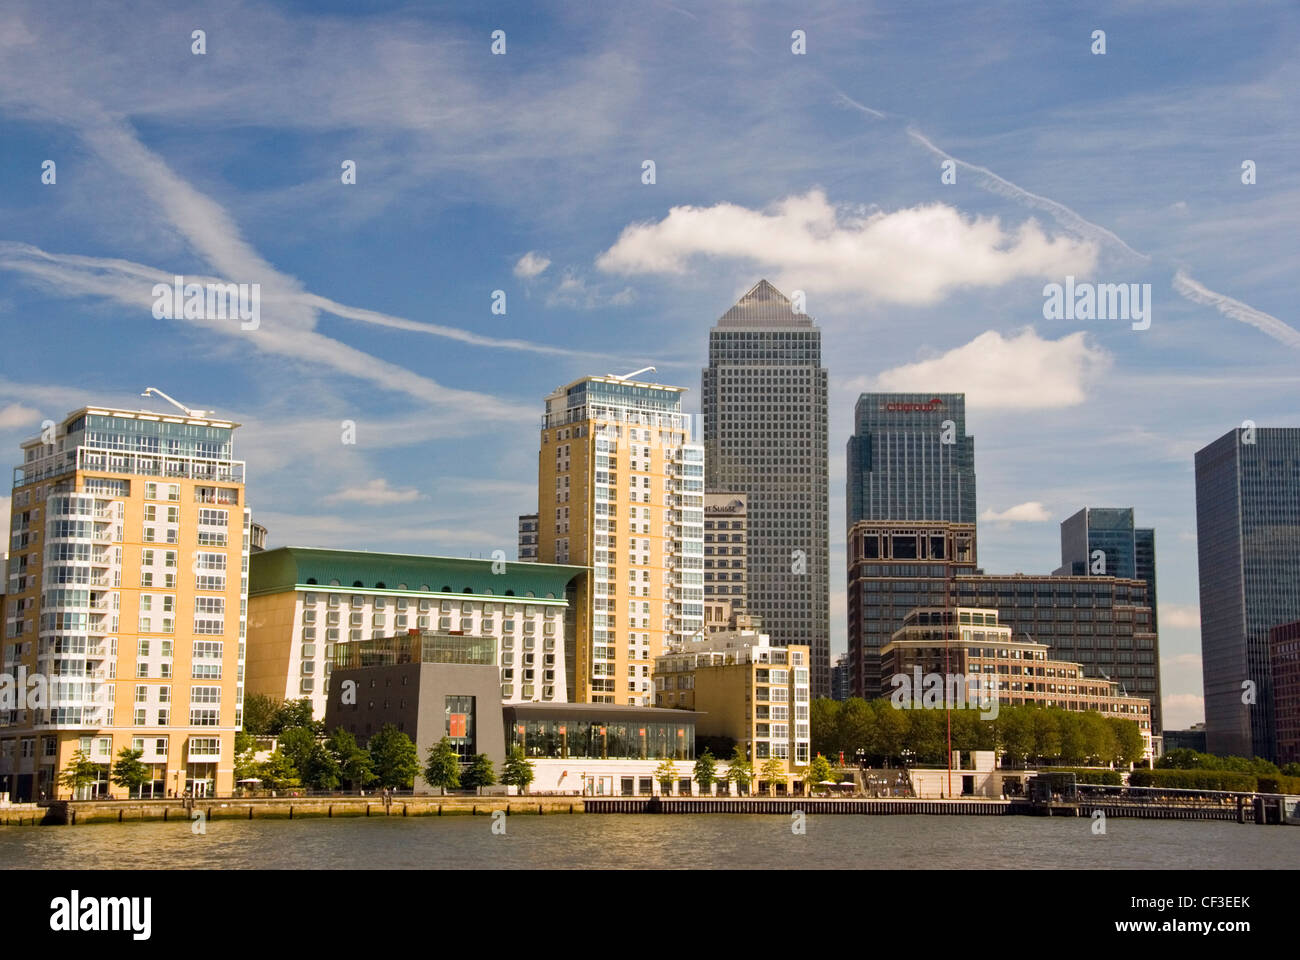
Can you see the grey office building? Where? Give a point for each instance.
(764, 406)
(910, 459)
(1248, 552)
(1104, 541)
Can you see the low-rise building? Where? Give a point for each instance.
(746, 690)
(304, 601)
(970, 642)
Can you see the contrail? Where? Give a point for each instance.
(1237, 310)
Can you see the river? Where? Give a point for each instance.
(589, 841)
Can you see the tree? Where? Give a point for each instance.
(245, 750)
(353, 761)
(518, 771)
(739, 770)
(278, 772)
(706, 771)
(129, 772)
(393, 757)
(320, 770)
(1128, 739)
(1046, 727)
(1017, 733)
(773, 772)
(442, 768)
(892, 726)
(80, 772)
(818, 770)
(666, 773)
(856, 727)
(824, 716)
(259, 713)
(292, 713)
(480, 772)
(298, 744)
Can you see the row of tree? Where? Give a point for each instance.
(1185, 759)
(1022, 734)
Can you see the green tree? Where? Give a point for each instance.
(393, 757)
(277, 772)
(1291, 769)
(129, 772)
(666, 773)
(354, 762)
(298, 744)
(824, 716)
(80, 772)
(1017, 732)
(892, 726)
(706, 771)
(1128, 740)
(442, 767)
(259, 713)
(1046, 726)
(856, 727)
(245, 751)
(773, 772)
(292, 713)
(1099, 737)
(1074, 745)
(480, 772)
(818, 770)
(320, 770)
(518, 771)
(927, 735)
(740, 771)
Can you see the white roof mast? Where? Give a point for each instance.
(196, 414)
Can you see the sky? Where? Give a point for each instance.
(524, 172)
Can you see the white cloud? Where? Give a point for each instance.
(914, 256)
(574, 291)
(16, 415)
(1182, 615)
(531, 264)
(1181, 710)
(1020, 372)
(1029, 512)
(375, 493)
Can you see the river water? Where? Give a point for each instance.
(655, 841)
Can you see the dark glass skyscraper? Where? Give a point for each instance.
(764, 405)
(1248, 551)
(910, 459)
(1126, 550)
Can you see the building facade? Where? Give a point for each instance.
(1104, 541)
(726, 550)
(1284, 658)
(910, 459)
(841, 678)
(1103, 623)
(621, 490)
(127, 585)
(1248, 558)
(428, 685)
(746, 690)
(969, 642)
(304, 602)
(764, 407)
(528, 538)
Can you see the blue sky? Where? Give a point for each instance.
(523, 172)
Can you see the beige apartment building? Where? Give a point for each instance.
(125, 616)
(743, 688)
(621, 490)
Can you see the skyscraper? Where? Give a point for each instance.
(1103, 541)
(910, 459)
(764, 405)
(127, 586)
(1248, 551)
(621, 489)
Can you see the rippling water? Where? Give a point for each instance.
(665, 842)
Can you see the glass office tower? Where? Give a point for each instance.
(1126, 550)
(764, 405)
(1248, 550)
(910, 459)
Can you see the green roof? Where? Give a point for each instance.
(289, 568)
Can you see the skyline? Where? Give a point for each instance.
(523, 173)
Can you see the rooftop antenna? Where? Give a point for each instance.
(629, 376)
(197, 414)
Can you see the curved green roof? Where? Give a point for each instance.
(288, 568)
